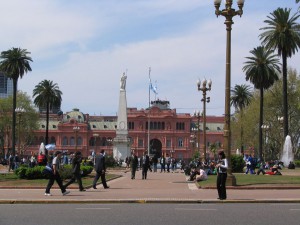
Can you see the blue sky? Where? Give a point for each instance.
(85, 46)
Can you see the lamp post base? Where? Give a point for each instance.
(231, 180)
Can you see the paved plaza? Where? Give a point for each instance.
(159, 187)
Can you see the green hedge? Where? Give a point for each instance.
(237, 163)
(25, 172)
(297, 163)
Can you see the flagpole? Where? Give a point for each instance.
(149, 114)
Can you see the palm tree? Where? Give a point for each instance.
(240, 98)
(283, 34)
(48, 95)
(15, 63)
(262, 70)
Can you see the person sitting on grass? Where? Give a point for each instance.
(194, 173)
(291, 165)
(261, 168)
(202, 176)
(274, 171)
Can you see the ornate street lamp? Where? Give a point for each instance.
(76, 130)
(228, 12)
(265, 128)
(19, 112)
(197, 115)
(206, 86)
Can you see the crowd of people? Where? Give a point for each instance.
(195, 169)
(257, 167)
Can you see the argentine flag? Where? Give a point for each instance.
(153, 88)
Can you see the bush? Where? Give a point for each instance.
(21, 171)
(110, 161)
(25, 172)
(237, 163)
(297, 163)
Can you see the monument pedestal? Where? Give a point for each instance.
(121, 142)
(121, 147)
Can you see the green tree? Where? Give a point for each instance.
(27, 121)
(274, 109)
(282, 33)
(15, 63)
(240, 98)
(47, 94)
(262, 70)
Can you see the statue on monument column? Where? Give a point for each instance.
(123, 82)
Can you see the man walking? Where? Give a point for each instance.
(55, 175)
(76, 162)
(100, 170)
(133, 164)
(145, 165)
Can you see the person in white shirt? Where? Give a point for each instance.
(55, 176)
(222, 175)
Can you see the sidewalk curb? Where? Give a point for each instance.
(146, 201)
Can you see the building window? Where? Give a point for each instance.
(65, 141)
(52, 140)
(105, 126)
(156, 125)
(43, 126)
(79, 141)
(180, 142)
(140, 143)
(54, 126)
(179, 126)
(94, 126)
(168, 144)
(72, 141)
(131, 125)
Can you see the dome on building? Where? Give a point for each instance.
(74, 115)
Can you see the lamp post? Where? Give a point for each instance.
(206, 86)
(19, 112)
(76, 130)
(265, 128)
(95, 140)
(193, 139)
(281, 121)
(228, 13)
(197, 114)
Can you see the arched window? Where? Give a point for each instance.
(180, 142)
(72, 141)
(52, 140)
(79, 141)
(65, 141)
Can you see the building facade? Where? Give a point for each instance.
(160, 129)
(6, 86)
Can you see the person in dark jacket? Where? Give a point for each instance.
(133, 164)
(145, 165)
(76, 171)
(100, 170)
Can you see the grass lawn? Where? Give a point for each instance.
(287, 179)
(11, 180)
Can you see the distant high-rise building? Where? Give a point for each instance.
(6, 86)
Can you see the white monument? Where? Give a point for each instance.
(121, 142)
(287, 152)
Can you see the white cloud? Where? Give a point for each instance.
(65, 39)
